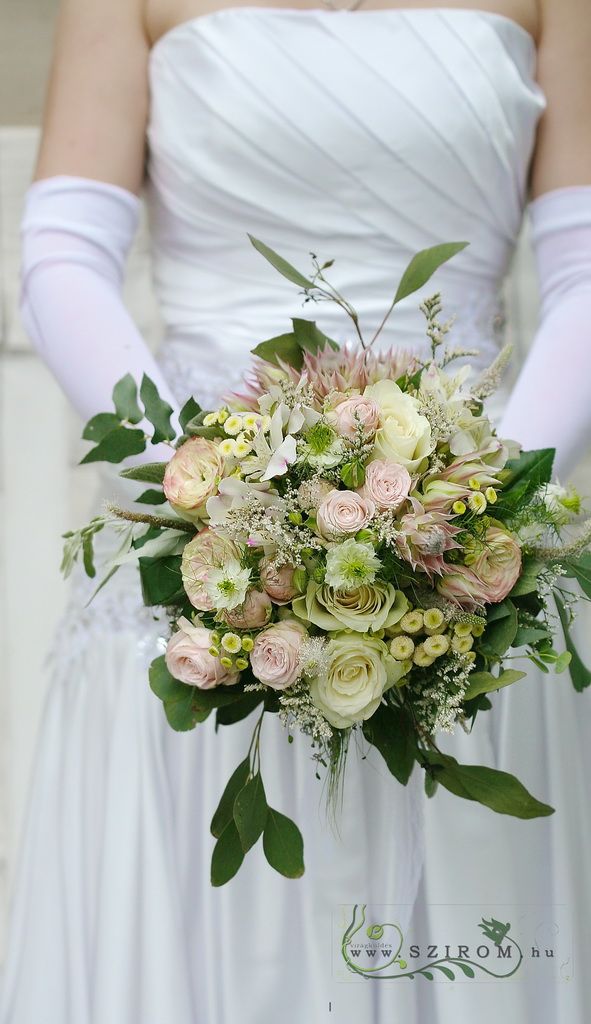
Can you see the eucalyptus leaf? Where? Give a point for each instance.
(282, 349)
(250, 811)
(524, 475)
(227, 856)
(180, 707)
(161, 580)
(125, 400)
(423, 265)
(390, 730)
(529, 635)
(149, 473)
(157, 411)
(579, 673)
(283, 845)
(310, 337)
(224, 812)
(151, 497)
(240, 709)
(485, 682)
(99, 426)
(190, 409)
(500, 791)
(118, 444)
(580, 569)
(88, 555)
(500, 634)
(280, 264)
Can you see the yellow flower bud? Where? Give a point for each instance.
(436, 645)
(222, 415)
(412, 622)
(241, 664)
(226, 662)
(477, 629)
(421, 658)
(247, 643)
(434, 620)
(214, 651)
(459, 507)
(474, 483)
(462, 644)
(477, 503)
(470, 657)
(402, 648)
(462, 628)
(490, 495)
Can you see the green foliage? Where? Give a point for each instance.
(118, 444)
(161, 580)
(282, 349)
(310, 338)
(284, 268)
(149, 473)
(423, 265)
(240, 709)
(501, 629)
(190, 410)
(125, 400)
(180, 708)
(158, 412)
(579, 568)
(391, 730)
(99, 426)
(500, 791)
(485, 682)
(225, 809)
(151, 497)
(283, 845)
(579, 673)
(250, 811)
(523, 476)
(227, 855)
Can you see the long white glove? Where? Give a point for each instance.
(76, 234)
(550, 405)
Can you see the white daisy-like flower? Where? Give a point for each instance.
(226, 587)
(349, 565)
(227, 447)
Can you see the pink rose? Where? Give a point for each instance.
(355, 412)
(192, 476)
(387, 484)
(188, 658)
(499, 564)
(463, 587)
(278, 583)
(343, 512)
(254, 612)
(205, 552)
(275, 659)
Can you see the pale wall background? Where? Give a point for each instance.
(42, 492)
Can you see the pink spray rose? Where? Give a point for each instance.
(205, 552)
(387, 484)
(499, 564)
(355, 412)
(188, 659)
(253, 613)
(275, 659)
(192, 476)
(278, 583)
(343, 512)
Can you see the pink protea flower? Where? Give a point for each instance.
(424, 537)
(349, 369)
(463, 587)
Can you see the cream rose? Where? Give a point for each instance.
(499, 564)
(358, 673)
(355, 412)
(343, 512)
(404, 435)
(275, 659)
(370, 606)
(387, 484)
(188, 659)
(205, 552)
(254, 612)
(278, 582)
(192, 476)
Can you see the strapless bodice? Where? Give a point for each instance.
(360, 136)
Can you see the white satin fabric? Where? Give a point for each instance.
(361, 136)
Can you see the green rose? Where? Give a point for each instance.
(360, 669)
(370, 606)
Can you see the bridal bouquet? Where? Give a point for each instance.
(348, 545)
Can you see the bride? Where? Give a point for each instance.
(362, 135)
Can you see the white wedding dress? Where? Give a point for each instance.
(363, 137)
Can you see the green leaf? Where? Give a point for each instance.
(284, 348)
(430, 785)
(99, 426)
(580, 569)
(500, 791)
(283, 845)
(149, 473)
(240, 709)
(161, 579)
(157, 411)
(526, 584)
(88, 555)
(224, 812)
(180, 706)
(485, 682)
(190, 410)
(227, 856)
(579, 673)
(390, 730)
(117, 445)
(310, 337)
(529, 635)
(151, 497)
(522, 476)
(125, 400)
(284, 268)
(423, 265)
(500, 633)
(250, 812)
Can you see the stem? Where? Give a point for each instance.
(162, 522)
(255, 742)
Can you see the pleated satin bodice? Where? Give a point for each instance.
(361, 136)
